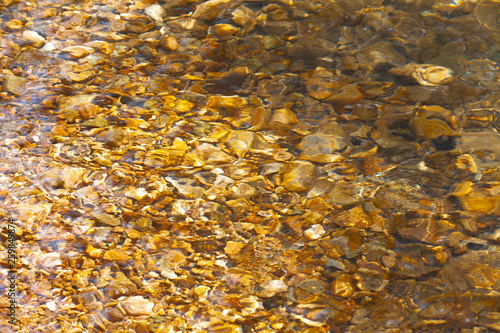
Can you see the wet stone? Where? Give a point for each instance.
(273, 287)
(63, 177)
(481, 270)
(114, 315)
(78, 51)
(12, 83)
(107, 215)
(33, 38)
(137, 306)
(320, 147)
(299, 176)
(315, 232)
(429, 129)
(49, 260)
(116, 256)
(425, 75)
(407, 265)
(74, 107)
(425, 230)
(206, 153)
(209, 10)
(114, 137)
(120, 286)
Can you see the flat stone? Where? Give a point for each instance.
(12, 83)
(137, 306)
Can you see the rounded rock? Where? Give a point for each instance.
(32, 38)
(299, 176)
(137, 306)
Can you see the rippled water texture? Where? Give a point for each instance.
(251, 166)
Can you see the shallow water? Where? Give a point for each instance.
(250, 166)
